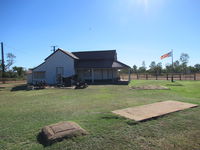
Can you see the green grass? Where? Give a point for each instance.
(23, 114)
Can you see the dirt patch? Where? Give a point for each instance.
(150, 87)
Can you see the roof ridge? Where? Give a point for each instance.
(68, 53)
(94, 51)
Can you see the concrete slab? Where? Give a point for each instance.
(144, 112)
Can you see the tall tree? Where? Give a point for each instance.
(184, 59)
(177, 67)
(142, 69)
(159, 68)
(10, 60)
(152, 67)
(144, 65)
(197, 67)
(134, 68)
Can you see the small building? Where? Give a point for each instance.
(90, 66)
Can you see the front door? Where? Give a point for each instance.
(59, 74)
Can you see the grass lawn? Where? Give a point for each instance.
(23, 114)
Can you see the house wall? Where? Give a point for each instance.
(58, 59)
(99, 74)
(29, 78)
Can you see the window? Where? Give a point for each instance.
(87, 73)
(39, 75)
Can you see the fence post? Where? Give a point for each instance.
(146, 76)
(167, 76)
(137, 76)
(180, 76)
(129, 75)
(156, 76)
(194, 76)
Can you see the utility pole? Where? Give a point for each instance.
(54, 48)
(172, 79)
(2, 59)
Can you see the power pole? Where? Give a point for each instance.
(3, 65)
(54, 48)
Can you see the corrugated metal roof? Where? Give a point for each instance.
(100, 64)
(65, 52)
(93, 59)
(96, 55)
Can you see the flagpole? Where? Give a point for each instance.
(172, 78)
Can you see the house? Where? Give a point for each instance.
(90, 66)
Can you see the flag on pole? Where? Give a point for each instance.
(166, 55)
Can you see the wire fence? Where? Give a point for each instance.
(12, 80)
(146, 76)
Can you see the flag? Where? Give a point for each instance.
(166, 55)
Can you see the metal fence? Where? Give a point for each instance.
(176, 76)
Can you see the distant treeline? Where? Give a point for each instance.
(179, 66)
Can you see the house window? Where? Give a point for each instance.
(87, 73)
(39, 75)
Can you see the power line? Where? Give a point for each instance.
(10, 47)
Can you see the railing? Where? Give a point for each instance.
(146, 76)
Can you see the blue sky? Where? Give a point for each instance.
(138, 29)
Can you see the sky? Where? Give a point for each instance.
(140, 30)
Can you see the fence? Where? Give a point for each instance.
(11, 80)
(176, 76)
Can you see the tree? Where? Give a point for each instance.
(10, 60)
(177, 67)
(191, 69)
(142, 69)
(19, 70)
(159, 68)
(134, 68)
(152, 67)
(168, 68)
(144, 65)
(184, 58)
(197, 67)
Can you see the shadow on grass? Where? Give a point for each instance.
(22, 87)
(128, 121)
(108, 83)
(174, 84)
(41, 140)
(131, 122)
(111, 116)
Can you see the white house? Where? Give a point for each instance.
(90, 66)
